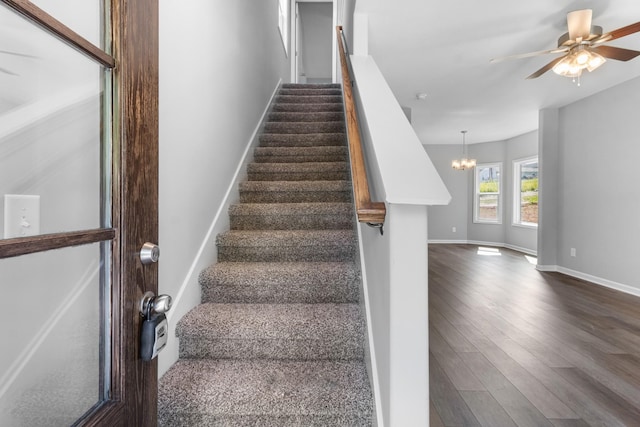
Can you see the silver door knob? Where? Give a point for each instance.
(149, 253)
(150, 303)
(162, 303)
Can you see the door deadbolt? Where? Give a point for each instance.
(149, 253)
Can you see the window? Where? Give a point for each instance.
(283, 22)
(487, 198)
(525, 194)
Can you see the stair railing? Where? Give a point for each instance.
(371, 213)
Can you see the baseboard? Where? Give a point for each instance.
(370, 361)
(521, 249)
(447, 242)
(188, 295)
(480, 243)
(592, 279)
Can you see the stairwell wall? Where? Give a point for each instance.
(220, 63)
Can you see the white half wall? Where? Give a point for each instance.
(219, 65)
(395, 265)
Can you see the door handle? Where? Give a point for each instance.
(152, 304)
(155, 329)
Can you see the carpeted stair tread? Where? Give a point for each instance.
(303, 140)
(300, 154)
(308, 171)
(298, 107)
(292, 116)
(311, 86)
(280, 282)
(286, 245)
(314, 99)
(272, 331)
(265, 393)
(304, 127)
(294, 191)
(291, 216)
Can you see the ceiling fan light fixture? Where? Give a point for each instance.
(578, 60)
(595, 61)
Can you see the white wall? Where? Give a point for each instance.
(442, 219)
(459, 213)
(597, 189)
(220, 62)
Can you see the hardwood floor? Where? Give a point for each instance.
(512, 346)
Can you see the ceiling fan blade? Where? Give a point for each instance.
(579, 23)
(4, 70)
(616, 34)
(527, 55)
(544, 69)
(617, 53)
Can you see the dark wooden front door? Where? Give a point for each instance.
(79, 177)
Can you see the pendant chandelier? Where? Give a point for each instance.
(464, 162)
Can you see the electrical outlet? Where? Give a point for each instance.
(21, 215)
(573, 251)
(453, 229)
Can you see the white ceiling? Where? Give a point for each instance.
(443, 48)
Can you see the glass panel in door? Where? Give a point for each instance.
(53, 358)
(51, 126)
(55, 176)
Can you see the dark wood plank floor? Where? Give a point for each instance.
(511, 346)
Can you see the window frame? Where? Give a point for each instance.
(516, 219)
(283, 24)
(476, 193)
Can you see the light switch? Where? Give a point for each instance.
(21, 215)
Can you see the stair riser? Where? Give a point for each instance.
(299, 176)
(280, 283)
(294, 196)
(311, 86)
(260, 293)
(296, 99)
(310, 92)
(298, 107)
(303, 140)
(300, 154)
(301, 159)
(304, 127)
(291, 222)
(286, 254)
(277, 349)
(317, 420)
(306, 117)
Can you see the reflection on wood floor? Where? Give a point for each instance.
(512, 346)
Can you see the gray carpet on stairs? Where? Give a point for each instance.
(279, 337)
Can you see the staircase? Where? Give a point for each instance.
(279, 338)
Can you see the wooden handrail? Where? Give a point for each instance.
(372, 213)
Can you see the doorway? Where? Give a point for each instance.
(314, 42)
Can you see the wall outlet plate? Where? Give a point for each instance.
(21, 215)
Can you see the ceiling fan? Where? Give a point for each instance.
(583, 47)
